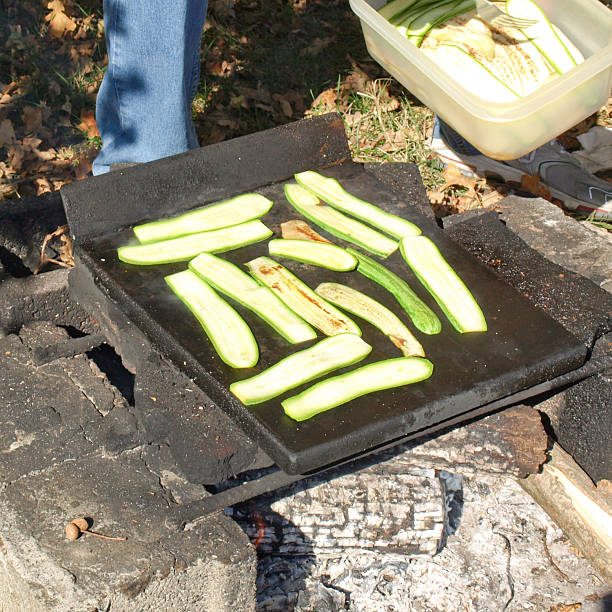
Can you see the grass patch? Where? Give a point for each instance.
(264, 63)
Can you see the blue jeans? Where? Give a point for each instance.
(143, 108)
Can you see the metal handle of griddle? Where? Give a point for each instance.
(183, 515)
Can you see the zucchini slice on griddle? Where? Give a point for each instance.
(301, 367)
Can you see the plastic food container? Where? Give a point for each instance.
(504, 130)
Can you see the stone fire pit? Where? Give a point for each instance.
(444, 525)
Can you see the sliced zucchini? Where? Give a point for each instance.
(238, 285)
(227, 330)
(337, 224)
(569, 45)
(331, 191)
(301, 367)
(434, 14)
(373, 312)
(466, 30)
(396, 9)
(340, 389)
(328, 256)
(438, 277)
(423, 317)
(186, 247)
(236, 210)
(544, 35)
(301, 298)
(460, 64)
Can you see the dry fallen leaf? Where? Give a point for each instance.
(392, 104)
(317, 45)
(569, 138)
(47, 155)
(354, 118)
(532, 184)
(469, 201)
(6, 94)
(436, 196)
(491, 198)
(228, 123)
(7, 133)
(285, 105)
(453, 176)
(31, 143)
(88, 123)
(59, 22)
(295, 99)
(42, 185)
(326, 99)
(83, 168)
(60, 231)
(260, 94)
(65, 250)
(32, 118)
(357, 80)
(566, 607)
(15, 156)
(238, 102)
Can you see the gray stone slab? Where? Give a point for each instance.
(557, 262)
(573, 300)
(39, 298)
(68, 449)
(33, 432)
(66, 408)
(123, 498)
(576, 246)
(25, 223)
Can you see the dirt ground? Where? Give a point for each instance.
(264, 63)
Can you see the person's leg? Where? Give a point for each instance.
(143, 108)
(564, 176)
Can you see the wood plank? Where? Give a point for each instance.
(580, 508)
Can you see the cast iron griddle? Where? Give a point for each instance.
(522, 347)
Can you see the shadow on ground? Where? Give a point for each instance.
(265, 62)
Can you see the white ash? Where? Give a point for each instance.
(389, 510)
(505, 554)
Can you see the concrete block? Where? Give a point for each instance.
(69, 448)
(577, 246)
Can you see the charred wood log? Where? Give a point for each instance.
(375, 509)
(511, 442)
(396, 502)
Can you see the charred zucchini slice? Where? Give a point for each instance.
(373, 312)
(230, 280)
(301, 298)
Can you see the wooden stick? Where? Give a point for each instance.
(581, 510)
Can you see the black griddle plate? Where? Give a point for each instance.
(523, 346)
